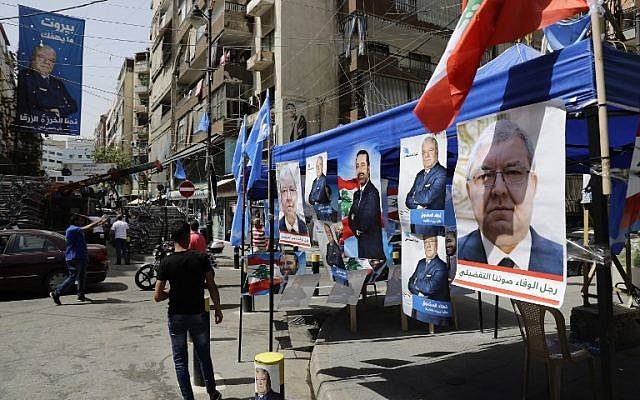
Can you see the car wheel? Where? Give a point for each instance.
(146, 277)
(54, 279)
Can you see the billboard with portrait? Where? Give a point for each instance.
(320, 190)
(49, 73)
(359, 184)
(509, 199)
(286, 264)
(291, 224)
(423, 180)
(425, 279)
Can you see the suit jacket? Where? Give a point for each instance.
(320, 191)
(365, 222)
(36, 95)
(282, 226)
(334, 255)
(431, 280)
(429, 189)
(546, 255)
(270, 395)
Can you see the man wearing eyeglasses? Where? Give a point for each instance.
(501, 184)
(288, 194)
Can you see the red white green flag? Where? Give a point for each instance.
(483, 23)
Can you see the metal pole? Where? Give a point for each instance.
(208, 161)
(270, 195)
(495, 319)
(603, 271)
(480, 312)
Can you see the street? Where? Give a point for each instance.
(116, 346)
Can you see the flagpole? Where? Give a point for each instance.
(601, 191)
(270, 184)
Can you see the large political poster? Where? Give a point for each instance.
(359, 184)
(423, 180)
(49, 73)
(319, 193)
(509, 199)
(425, 279)
(631, 214)
(291, 224)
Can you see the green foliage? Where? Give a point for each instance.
(112, 155)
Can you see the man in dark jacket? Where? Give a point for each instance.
(334, 254)
(429, 187)
(320, 191)
(290, 222)
(430, 278)
(43, 101)
(365, 218)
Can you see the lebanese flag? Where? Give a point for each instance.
(483, 23)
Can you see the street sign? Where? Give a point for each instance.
(186, 189)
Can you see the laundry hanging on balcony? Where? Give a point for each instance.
(353, 22)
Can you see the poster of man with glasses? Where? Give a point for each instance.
(291, 223)
(509, 198)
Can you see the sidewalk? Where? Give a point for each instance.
(382, 362)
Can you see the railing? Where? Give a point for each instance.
(630, 26)
(407, 6)
(235, 7)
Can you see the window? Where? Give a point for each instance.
(31, 244)
(4, 240)
(79, 155)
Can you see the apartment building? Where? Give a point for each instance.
(69, 160)
(100, 132)
(390, 50)
(7, 100)
(294, 56)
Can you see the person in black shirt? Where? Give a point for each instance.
(188, 273)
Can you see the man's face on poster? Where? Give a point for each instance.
(501, 188)
(262, 382)
(450, 243)
(43, 61)
(288, 265)
(288, 195)
(362, 169)
(327, 231)
(430, 247)
(319, 166)
(429, 153)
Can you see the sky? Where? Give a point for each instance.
(103, 56)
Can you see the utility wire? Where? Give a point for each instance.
(57, 10)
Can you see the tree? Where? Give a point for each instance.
(112, 155)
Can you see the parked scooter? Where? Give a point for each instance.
(147, 274)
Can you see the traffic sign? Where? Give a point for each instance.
(186, 189)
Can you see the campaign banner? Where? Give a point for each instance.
(425, 279)
(330, 250)
(298, 291)
(423, 180)
(359, 184)
(49, 73)
(319, 193)
(393, 296)
(348, 294)
(631, 215)
(291, 224)
(287, 264)
(509, 199)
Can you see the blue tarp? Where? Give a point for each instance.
(518, 77)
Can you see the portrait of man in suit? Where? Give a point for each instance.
(451, 247)
(365, 215)
(40, 94)
(430, 278)
(429, 187)
(320, 191)
(263, 386)
(501, 183)
(290, 222)
(334, 253)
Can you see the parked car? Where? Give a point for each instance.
(34, 259)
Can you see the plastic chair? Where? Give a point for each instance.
(553, 353)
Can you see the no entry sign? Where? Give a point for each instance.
(186, 189)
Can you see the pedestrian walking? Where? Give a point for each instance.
(119, 230)
(76, 257)
(188, 273)
(197, 242)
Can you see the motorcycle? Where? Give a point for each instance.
(147, 274)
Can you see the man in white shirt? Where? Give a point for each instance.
(119, 231)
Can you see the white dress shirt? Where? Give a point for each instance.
(292, 227)
(519, 255)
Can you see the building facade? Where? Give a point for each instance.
(69, 160)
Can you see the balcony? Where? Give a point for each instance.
(232, 25)
(256, 8)
(260, 61)
(141, 109)
(141, 67)
(191, 71)
(142, 90)
(231, 73)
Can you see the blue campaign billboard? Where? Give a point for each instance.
(49, 73)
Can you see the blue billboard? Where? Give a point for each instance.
(49, 73)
